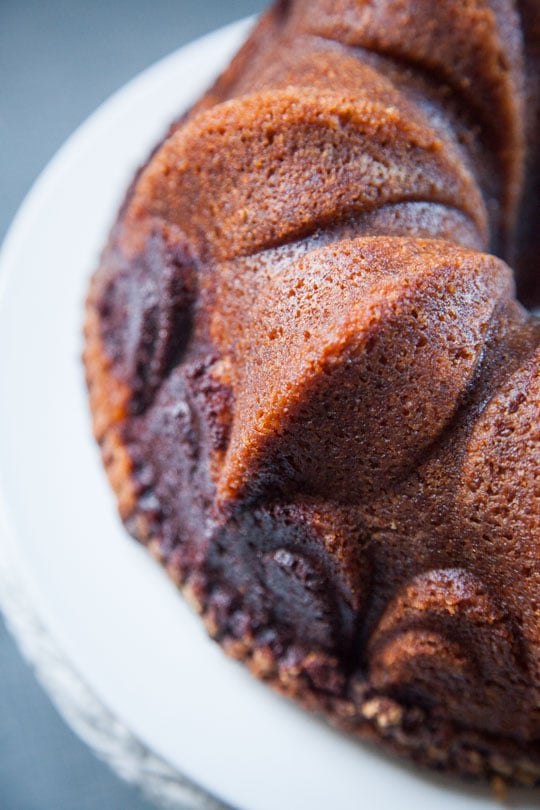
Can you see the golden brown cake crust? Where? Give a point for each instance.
(316, 396)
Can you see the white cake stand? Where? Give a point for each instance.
(122, 656)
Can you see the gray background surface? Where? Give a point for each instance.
(59, 59)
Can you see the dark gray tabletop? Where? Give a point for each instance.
(59, 59)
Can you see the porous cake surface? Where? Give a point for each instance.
(316, 393)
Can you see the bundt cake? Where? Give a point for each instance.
(316, 393)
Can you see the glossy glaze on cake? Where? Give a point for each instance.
(317, 396)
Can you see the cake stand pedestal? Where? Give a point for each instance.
(93, 722)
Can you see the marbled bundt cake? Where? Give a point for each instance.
(317, 396)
